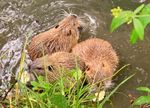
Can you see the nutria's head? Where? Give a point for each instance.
(62, 37)
(99, 72)
(70, 22)
(70, 26)
(100, 58)
(55, 65)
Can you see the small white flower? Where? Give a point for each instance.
(25, 77)
(99, 96)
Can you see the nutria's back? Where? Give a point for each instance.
(54, 64)
(60, 38)
(100, 58)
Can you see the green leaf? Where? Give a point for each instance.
(142, 100)
(133, 37)
(77, 74)
(146, 9)
(145, 89)
(59, 100)
(122, 18)
(138, 9)
(116, 22)
(138, 28)
(145, 15)
(145, 20)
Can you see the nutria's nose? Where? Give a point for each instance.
(30, 66)
(75, 16)
(28, 84)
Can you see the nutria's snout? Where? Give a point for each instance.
(80, 25)
(74, 15)
(80, 28)
(29, 66)
(28, 84)
(32, 66)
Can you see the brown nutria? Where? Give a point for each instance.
(51, 65)
(60, 38)
(100, 59)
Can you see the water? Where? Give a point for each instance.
(19, 17)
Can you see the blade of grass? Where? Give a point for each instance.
(116, 88)
(23, 56)
(113, 74)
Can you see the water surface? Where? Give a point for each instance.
(19, 17)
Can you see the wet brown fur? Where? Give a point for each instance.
(60, 38)
(100, 58)
(54, 64)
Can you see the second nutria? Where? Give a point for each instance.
(100, 59)
(60, 38)
(52, 65)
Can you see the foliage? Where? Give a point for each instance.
(140, 18)
(145, 99)
(113, 91)
(46, 95)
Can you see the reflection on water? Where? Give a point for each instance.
(18, 17)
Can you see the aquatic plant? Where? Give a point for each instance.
(140, 18)
(143, 100)
(46, 95)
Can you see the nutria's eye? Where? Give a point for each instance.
(80, 28)
(56, 26)
(103, 65)
(50, 68)
(69, 33)
(87, 68)
(39, 68)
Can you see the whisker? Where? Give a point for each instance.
(70, 11)
(64, 12)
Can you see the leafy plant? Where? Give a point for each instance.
(46, 95)
(145, 99)
(140, 18)
(113, 91)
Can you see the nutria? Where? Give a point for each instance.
(53, 64)
(100, 59)
(60, 38)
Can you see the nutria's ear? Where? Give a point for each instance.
(50, 68)
(103, 65)
(69, 33)
(87, 68)
(56, 26)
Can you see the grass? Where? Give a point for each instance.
(56, 95)
(52, 95)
